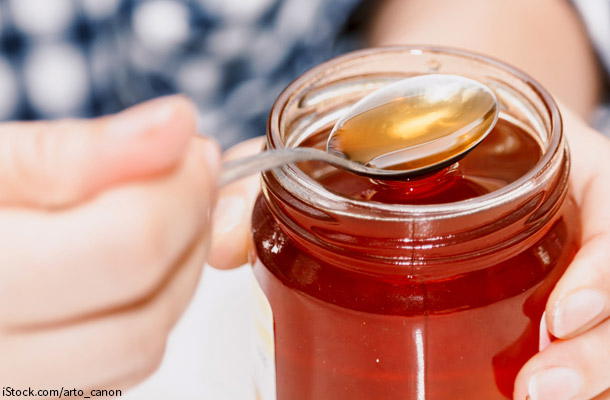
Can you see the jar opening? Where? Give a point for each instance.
(318, 98)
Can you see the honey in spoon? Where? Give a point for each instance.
(408, 128)
(424, 128)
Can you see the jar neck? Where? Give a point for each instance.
(374, 236)
(363, 236)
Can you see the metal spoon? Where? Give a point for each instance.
(419, 124)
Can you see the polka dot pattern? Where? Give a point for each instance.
(42, 17)
(56, 79)
(83, 58)
(161, 24)
(9, 97)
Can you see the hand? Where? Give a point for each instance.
(586, 348)
(578, 365)
(233, 212)
(103, 233)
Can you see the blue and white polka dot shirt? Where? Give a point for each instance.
(83, 58)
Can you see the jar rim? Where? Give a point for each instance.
(306, 188)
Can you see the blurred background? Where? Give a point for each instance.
(83, 58)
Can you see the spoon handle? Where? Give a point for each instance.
(269, 159)
(266, 160)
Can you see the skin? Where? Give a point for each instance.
(104, 228)
(233, 212)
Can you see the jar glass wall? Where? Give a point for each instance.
(375, 300)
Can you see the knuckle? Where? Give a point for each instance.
(37, 163)
(153, 357)
(153, 232)
(28, 167)
(147, 254)
(151, 350)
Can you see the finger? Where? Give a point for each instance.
(115, 350)
(57, 163)
(233, 212)
(589, 174)
(580, 299)
(111, 251)
(575, 369)
(603, 396)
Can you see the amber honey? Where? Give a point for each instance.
(506, 154)
(417, 131)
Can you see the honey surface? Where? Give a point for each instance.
(506, 154)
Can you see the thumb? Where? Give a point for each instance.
(231, 219)
(57, 163)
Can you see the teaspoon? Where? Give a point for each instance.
(408, 128)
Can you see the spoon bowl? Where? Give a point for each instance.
(416, 124)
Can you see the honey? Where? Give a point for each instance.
(506, 154)
(416, 131)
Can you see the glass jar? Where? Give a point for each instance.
(391, 301)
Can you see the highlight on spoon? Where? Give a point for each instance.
(416, 124)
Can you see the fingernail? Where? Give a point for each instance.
(554, 384)
(135, 120)
(545, 337)
(576, 311)
(228, 214)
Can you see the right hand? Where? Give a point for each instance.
(103, 233)
(233, 212)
